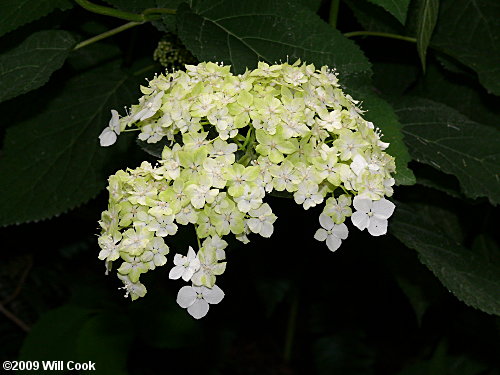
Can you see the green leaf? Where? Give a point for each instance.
(132, 5)
(313, 5)
(439, 136)
(468, 276)
(241, 33)
(16, 13)
(402, 77)
(398, 8)
(105, 340)
(30, 65)
(374, 18)
(53, 162)
(451, 64)
(468, 30)
(426, 21)
(461, 92)
(93, 55)
(53, 336)
(168, 21)
(381, 113)
(486, 245)
(434, 179)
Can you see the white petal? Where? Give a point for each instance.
(320, 235)
(186, 296)
(213, 295)
(326, 221)
(377, 226)
(266, 230)
(358, 164)
(114, 123)
(198, 309)
(360, 220)
(383, 208)
(176, 272)
(255, 225)
(195, 264)
(159, 260)
(191, 254)
(340, 231)
(179, 259)
(333, 242)
(187, 274)
(107, 137)
(362, 204)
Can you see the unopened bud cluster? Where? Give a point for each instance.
(230, 141)
(170, 53)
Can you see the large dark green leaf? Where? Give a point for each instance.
(426, 21)
(468, 276)
(52, 162)
(402, 77)
(241, 33)
(133, 5)
(16, 13)
(374, 18)
(168, 21)
(469, 31)
(398, 8)
(461, 92)
(443, 138)
(93, 55)
(30, 65)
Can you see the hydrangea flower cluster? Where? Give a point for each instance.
(229, 141)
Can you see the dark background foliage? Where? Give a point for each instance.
(422, 300)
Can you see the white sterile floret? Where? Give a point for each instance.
(110, 133)
(372, 214)
(134, 290)
(359, 164)
(196, 299)
(262, 220)
(308, 195)
(332, 233)
(147, 107)
(185, 266)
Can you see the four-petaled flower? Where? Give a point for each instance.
(331, 232)
(196, 299)
(372, 214)
(185, 266)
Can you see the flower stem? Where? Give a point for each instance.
(150, 14)
(159, 11)
(108, 11)
(198, 239)
(334, 12)
(381, 34)
(290, 331)
(107, 34)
